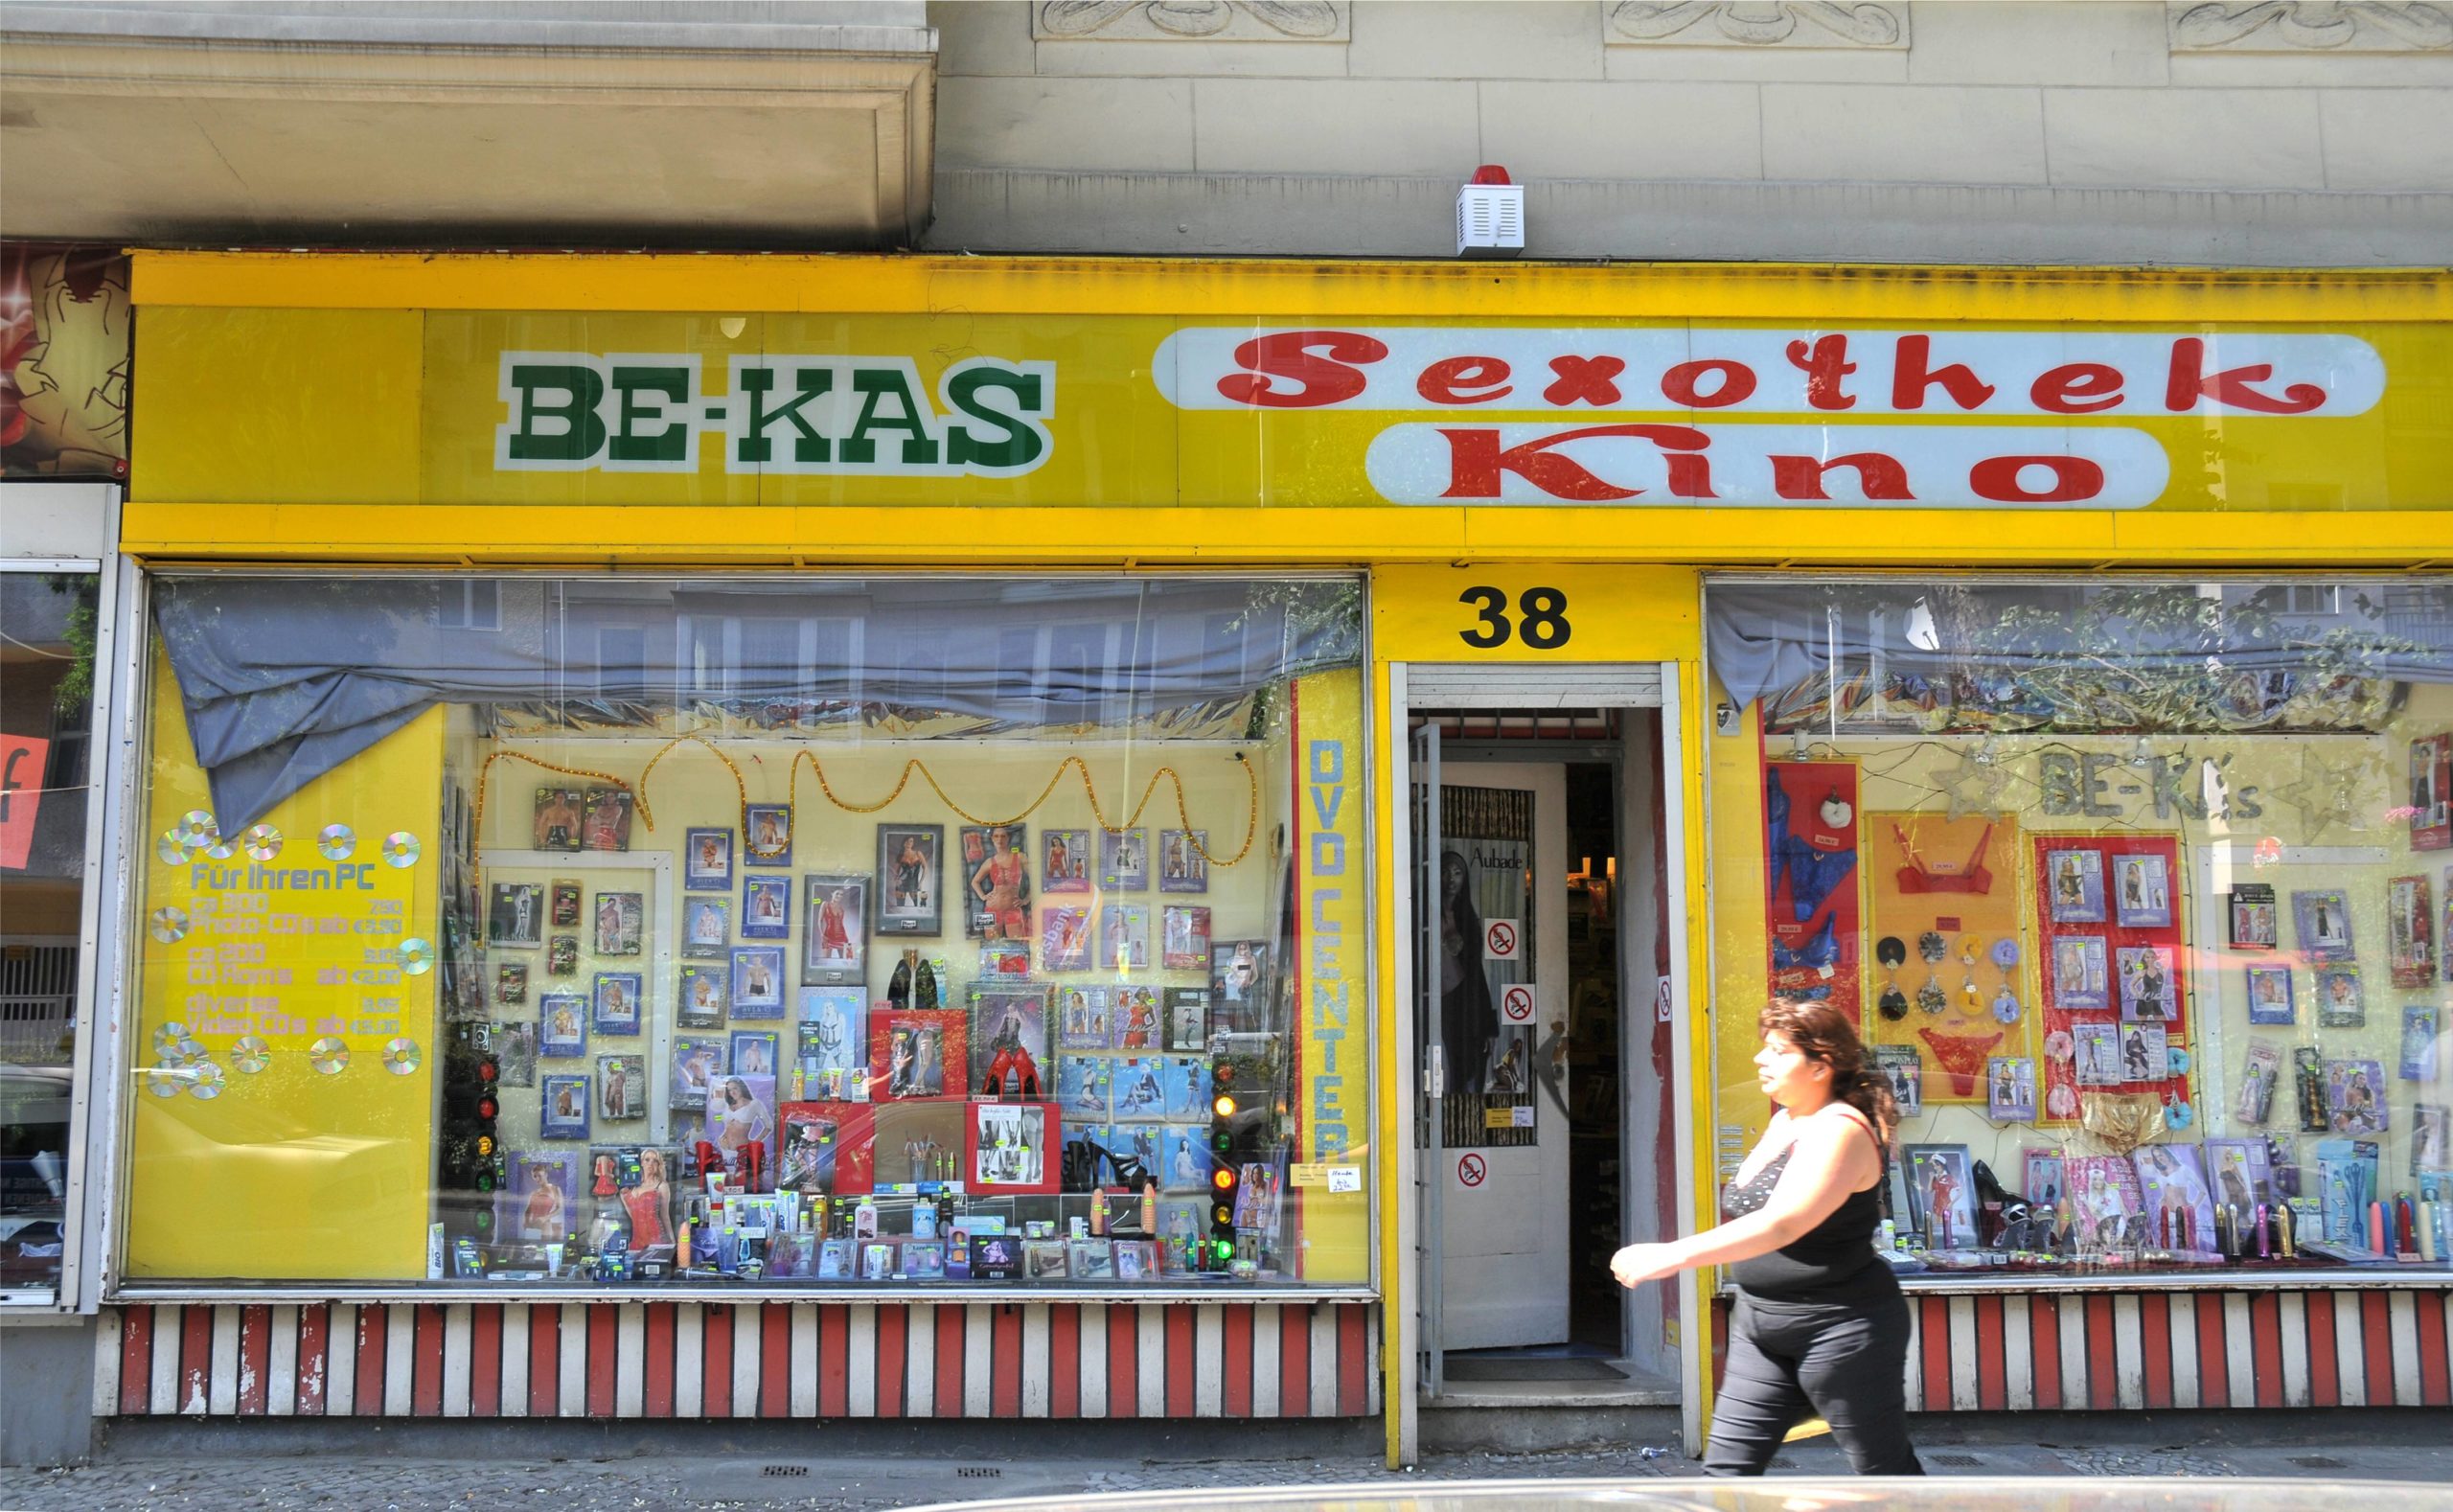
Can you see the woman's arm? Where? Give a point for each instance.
(1827, 1163)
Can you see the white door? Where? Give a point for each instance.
(1502, 911)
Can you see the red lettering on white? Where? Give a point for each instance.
(1997, 479)
(1879, 476)
(2190, 382)
(1586, 379)
(1826, 365)
(1287, 355)
(1912, 373)
(2077, 388)
(1682, 384)
(1476, 461)
(1464, 380)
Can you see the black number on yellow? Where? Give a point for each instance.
(1545, 613)
(1545, 618)
(1493, 606)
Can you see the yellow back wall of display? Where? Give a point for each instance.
(821, 409)
(287, 1173)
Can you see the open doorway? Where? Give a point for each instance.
(1543, 1122)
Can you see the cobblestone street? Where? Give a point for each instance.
(757, 1484)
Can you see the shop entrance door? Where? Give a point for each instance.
(1540, 875)
(1495, 937)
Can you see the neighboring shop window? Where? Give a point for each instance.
(46, 721)
(2137, 891)
(875, 932)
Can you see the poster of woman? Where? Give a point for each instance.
(2180, 1209)
(909, 857)
(741, 1113)
(1064, 860)
(1942, 1192)
(834, 941)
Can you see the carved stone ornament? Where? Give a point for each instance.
(1191, 21)
(2313, 26)
(1753, 23)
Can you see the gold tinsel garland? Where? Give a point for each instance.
(1075, 764)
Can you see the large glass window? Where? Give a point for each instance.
(897, 932)
(2139, 891)
(47, 629)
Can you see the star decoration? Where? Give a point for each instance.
(1975, 785)
(2324, 792)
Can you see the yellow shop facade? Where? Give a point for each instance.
(847, 838)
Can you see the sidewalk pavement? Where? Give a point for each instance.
(837, 1484)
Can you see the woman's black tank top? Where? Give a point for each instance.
(1832, 1262)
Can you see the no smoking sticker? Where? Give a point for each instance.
(1499, 940)
(1516, 1003)
(1471, 1170)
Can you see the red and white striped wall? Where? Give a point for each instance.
(751, 1360)
(2079, 1351)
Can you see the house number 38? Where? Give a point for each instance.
(1542, 618)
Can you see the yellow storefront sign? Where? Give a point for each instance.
(1439, 413)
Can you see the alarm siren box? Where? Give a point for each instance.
(1490, 215)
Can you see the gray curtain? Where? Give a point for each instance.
(284, 678)
(2003, 641)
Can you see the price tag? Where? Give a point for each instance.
(1345, 1179)
(1309, 1175)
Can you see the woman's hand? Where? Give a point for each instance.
(1638, 1264)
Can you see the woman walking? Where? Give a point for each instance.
(1820, 1326)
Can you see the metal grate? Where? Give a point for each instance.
(783, 1470)
(978, 1472)
(37, 971)
(37, 1004)
(1956, 1461)
(2319, 1463)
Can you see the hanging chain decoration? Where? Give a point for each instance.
(477, 819)
(740, 787)
(1098, 811)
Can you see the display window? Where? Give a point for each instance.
(2137, 891)
(48, 630)
(618, 931)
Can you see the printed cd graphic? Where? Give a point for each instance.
(262, 842)
(417, 956)
(401, 1057)
(168, 1038)
(198, 827)
(329, 1056)
(166, 1081)
(401, 849)
(250, 1055)
(169, 924)
(172, 847)
(205, 1080)
(338, 841)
